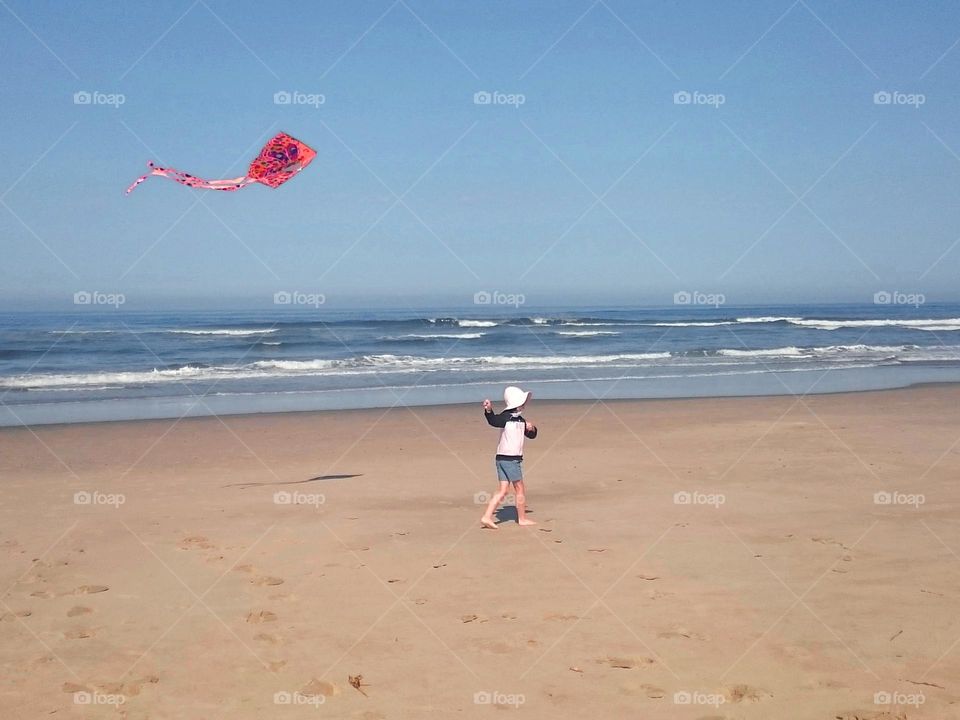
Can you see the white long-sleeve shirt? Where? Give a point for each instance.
(513, 430)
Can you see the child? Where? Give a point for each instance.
(513, 429)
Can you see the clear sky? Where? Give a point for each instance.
(783, 179)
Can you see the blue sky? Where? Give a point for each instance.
(783, 180)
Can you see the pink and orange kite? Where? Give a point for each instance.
(278, 161)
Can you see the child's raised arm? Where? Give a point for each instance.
(493, 419)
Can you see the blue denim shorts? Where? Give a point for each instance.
(509, 470)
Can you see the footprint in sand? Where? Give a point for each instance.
(319, 687)
(79, 634)
(90, 589)
(829, 541)
(78, 610)
(681, 633)
(267, 581)
(261, 616)
(649, 577)
(244, 568)
(654, 693)
(127, 689)
(42, 594)
(559, 616)
(196, 541)
(746, 693)
(265, 637)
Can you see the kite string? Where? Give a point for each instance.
(183, 178)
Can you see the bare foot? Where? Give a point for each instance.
(488, 524)
(526, 522)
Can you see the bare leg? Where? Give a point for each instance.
(522, 504)
(487, 519)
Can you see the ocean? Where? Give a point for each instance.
(61, 368)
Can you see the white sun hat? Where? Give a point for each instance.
(514, 397)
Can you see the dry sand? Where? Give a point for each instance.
(202, 596)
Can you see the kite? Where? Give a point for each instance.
(278, 161)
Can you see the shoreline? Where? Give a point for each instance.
(539, 402)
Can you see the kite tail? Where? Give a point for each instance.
(192, 181)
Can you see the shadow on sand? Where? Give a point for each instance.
(295, 482)
(508, 513)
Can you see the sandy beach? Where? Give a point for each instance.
(731, 558)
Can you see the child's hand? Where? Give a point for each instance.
(487, 405)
